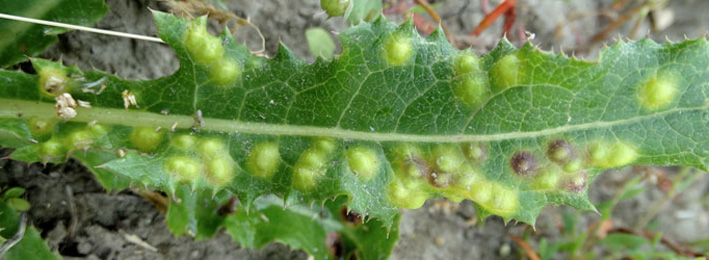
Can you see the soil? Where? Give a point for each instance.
(81, 220)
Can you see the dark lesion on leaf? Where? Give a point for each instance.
(350, 217)
(524, 163)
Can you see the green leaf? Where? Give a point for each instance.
(14, 192)
(22, 39)
(266, 220)
(618, 242)
(392, 121)
(354, 11)
(320, 43)
(18, 204)
(30, 246)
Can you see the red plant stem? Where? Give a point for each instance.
(492, 16)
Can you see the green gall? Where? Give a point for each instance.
(224, 72)
(211, 148)
(334, 8)
(325, 145)
(263, 159)
(184, 142)
(220, 171)
(52, 148)
(146, 139)
(471, 90)
(363, 162)
(475, 152)
(605, 155)
(79, 139)
(448, 158)
(402, 197)
(98, 130)
(466, 62)
(560, 151)
(182, 168)
(505, 72)
(481, 191)
(310, 167)
(573, 166)
(53, 81)
(505, 200)
(203, 47)
(548, 179)
(398, 49)
(41, 127)
(659, 91)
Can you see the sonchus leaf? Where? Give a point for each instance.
(327, 231)
(392, 121)
(22, 39)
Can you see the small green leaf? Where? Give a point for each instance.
(618, 241)
(320, 43)
(18, 204)
(14, 192)
(22, 39)
(30, 246)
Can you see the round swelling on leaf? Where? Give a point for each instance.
(606, 155)
(211, 148)
(523, 163)
(184, 142)
(220, 171)
(403, 197)
(53, 81)
(659, 91)
(182, 168)
(203, 47)
(41, 127)
(334, 8)
(79, 139)
(52, 148)
(146, 139)
(560, 151)
(308, 170)
(448, 158)
(225, 72)
(475, 152)
(471, 89)
(505, 72)
(398, 49)
(363, 162)
(548, 179)
(263, 159)
(466, 62)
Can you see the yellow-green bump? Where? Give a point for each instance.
(548, 179)
(224, 72)
(606, 155)
(146, 139)
(203, 47)
(659, 91)
(52, 148)
(184, 142)
(363, 162)
(211, 148)
(53, 81)
(481, 191)
(505, 72)
(403, 197)
(466, 62)
(41, 127)
(471, 89)
(263, 159)
(334, 8)
(79, 139)
(220, 171)
(448, 158)
(309, 168)
(398, 49)
(184, 169)
(475, 151)
(505, 200)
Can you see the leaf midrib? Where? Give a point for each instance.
(112, 116)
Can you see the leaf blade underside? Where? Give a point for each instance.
(394, 120)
